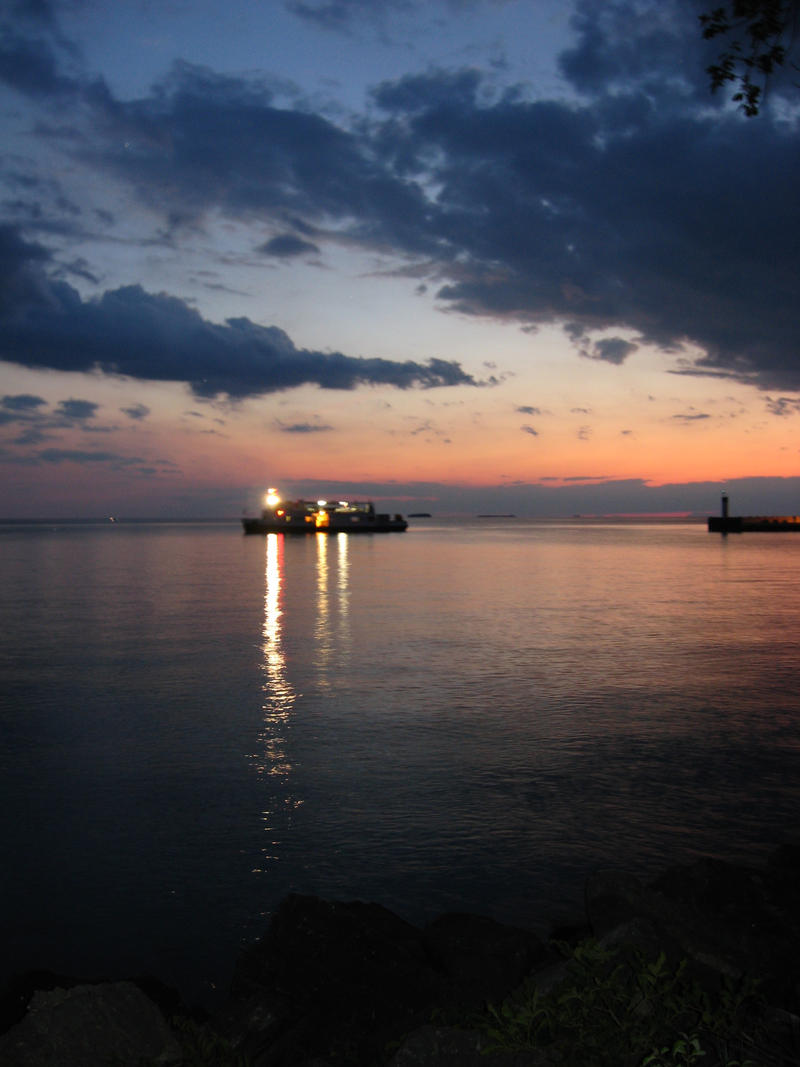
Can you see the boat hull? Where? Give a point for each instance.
(376, 525)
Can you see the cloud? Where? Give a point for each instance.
(204, 142)
(622, 45)
(77, 409)
(332, 14)
(31, 67)
(343, 16)
(77, 455)
(783, 405)
(131, 332)
(625, 210)
(137, 412)
(305, 427)
(287, 245)
(609, 350)
(526, 409)
(530, 430)
(640, 203)
(695, 416)
(22, 402)
(27, 410)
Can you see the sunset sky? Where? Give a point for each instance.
(451, 255)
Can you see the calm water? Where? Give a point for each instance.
(194, 723)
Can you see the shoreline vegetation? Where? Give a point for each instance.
(700, 966)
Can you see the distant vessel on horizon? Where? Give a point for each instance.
(725, 523)
(321, 516)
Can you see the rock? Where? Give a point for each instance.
(107, 1025)
(731, 920)
(450, 1046)
(353, 979)
(746, 918)
(481, 960)
(334, 983)
(19, 991)
(348, 977)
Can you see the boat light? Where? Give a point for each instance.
(321, 503)
(272, 499)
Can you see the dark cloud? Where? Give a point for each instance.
(39, 422)
(333, 14)
(137, 412)
(344, 16)
(31, 435)
(692, 416)
(287, 245)
(22, 281)
(530, 430)
(619, 213)
(141, 335)
(526, 409)
(305, 427)
(31, 67)
(35, 11)
(25, 409)
(22, 402)
(77, 455)
(609, 350)
(783, 405)
(416, 94)
(638, 43)
(208, 142)
(642, 204)
(77, 409)
(79, 269)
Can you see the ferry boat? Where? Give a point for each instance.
(321, 516)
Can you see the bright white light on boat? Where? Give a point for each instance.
(272, 498)
(321, 503)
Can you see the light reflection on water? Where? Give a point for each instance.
(466, 717)
(279, 694)
(512, 707)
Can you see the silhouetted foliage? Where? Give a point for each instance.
(759, 35)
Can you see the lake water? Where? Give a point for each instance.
(461, 717)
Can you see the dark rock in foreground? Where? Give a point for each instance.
(352, 983)
(349, 980)
(106, 1023)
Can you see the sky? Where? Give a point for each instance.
(459, 256)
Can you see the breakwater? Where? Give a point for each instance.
(727, 523)
(753, 523)
(708, 954)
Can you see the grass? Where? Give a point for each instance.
(617, 1008)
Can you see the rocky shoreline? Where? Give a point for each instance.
(702, 962)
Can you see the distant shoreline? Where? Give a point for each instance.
(665, 520)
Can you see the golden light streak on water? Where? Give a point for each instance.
(279, 693)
